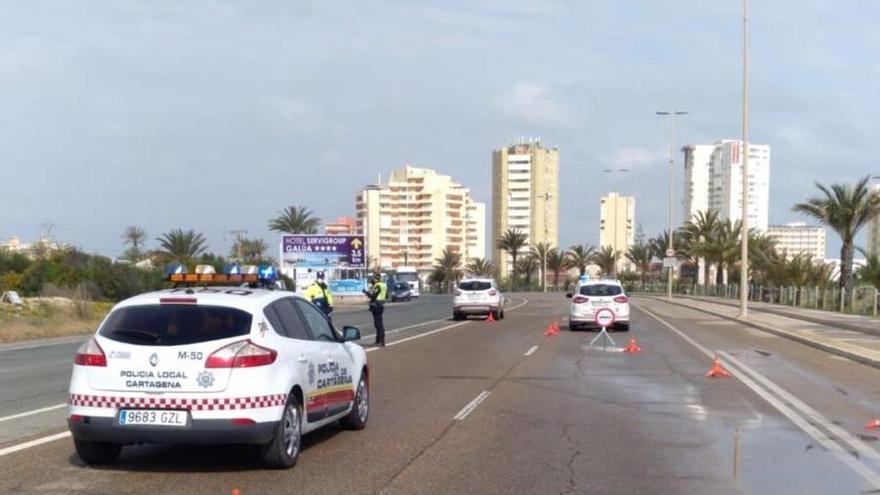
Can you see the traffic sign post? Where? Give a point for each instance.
(604, 318)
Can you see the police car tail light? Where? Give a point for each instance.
(493, 292)
(457, 292)
(90, 354)
(621, 299)
(580, 299)
(244, 354)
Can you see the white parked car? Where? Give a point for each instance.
(215, 365)
(477, 296)
(592, 295)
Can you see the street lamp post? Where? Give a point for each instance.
(744, 235)
(671, 114)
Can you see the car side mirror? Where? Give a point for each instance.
(350, 334)
(568, 295)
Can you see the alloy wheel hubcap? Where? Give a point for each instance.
(363, 401)
(291, 430)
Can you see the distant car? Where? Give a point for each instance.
(401, 292)
(593, 295)
(477, 296)
(215, 366)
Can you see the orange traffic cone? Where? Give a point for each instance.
(717, 371)
(550, 330)
(236, 491)
(632, 348)
(873, 424)
(491, 318)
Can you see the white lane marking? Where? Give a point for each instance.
(858, 445)
(33, 443)
(432, 332)
(441, 329)
(410, 327)
(466, 410)
(866, 473)
(20, 346)
(531, 350)
(31, 413)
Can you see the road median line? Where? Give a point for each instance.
(531, 351)
(469, 408)
(32, 412)
(33, 443)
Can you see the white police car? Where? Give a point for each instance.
(212, 365)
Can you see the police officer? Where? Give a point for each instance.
(377, 293)
(320, 294)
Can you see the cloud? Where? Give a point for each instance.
(636, 157)
(534, 104)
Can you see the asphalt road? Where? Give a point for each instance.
(501, 408)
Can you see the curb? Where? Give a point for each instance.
(838, 350)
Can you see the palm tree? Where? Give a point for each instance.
(846, 210)
(640, 255)
(480, 267)
(449, 264)
(182, 245)
(527, 266)
(556, 263)
(540, 252)
(512, 242)
(134, 237)
(606, 258)
(726, 248)
(295, 220)
(250, 250)
(580, 255)
(698, 234)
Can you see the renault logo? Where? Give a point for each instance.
(154, 360)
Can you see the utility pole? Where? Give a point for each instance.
(744, 234)
(670, 249)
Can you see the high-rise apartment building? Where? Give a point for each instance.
(714, 182)
(525, 196)
(697, 160)
(418, 213)
(797, 238)
(617, 223)
(342, 226)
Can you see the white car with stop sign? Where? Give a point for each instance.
(215, 365)
(592, 295)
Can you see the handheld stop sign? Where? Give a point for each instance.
(605, 317)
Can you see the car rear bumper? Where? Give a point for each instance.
(590, 320)
(475, 308)
(204, 432)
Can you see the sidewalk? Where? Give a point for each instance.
(850, 336)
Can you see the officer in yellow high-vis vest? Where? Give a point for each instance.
(378, 293)
(319, 294)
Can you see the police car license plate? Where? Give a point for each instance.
(152, 417)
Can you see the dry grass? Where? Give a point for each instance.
(47, 317)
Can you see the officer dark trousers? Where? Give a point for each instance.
(377, 308)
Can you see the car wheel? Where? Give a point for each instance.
(496, 315)
(502, 314)
(360, 411)
(97, 452)
(573, 327)
(622, 327)
(283, 451)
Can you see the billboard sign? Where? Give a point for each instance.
(323, 251)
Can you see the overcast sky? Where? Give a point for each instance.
(216, 115)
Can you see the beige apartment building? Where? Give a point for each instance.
(798, 238)
(617, 224)
(525, 196)
(412, 218)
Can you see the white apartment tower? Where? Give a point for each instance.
(418, 213)
(697, 161)
(617, 224)
(525, 196)
(713, 181)
(797, 238)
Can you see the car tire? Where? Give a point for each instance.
(97, 452)
(283, 451)
(622, 327)
(457, 316)
(496, 315)
(360, 410)
(502, 314)
(572, 327)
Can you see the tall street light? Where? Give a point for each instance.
(669, 249)
(744, 236)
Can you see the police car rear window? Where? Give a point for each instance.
(475, 286)
(600, 290)
(174, 324)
